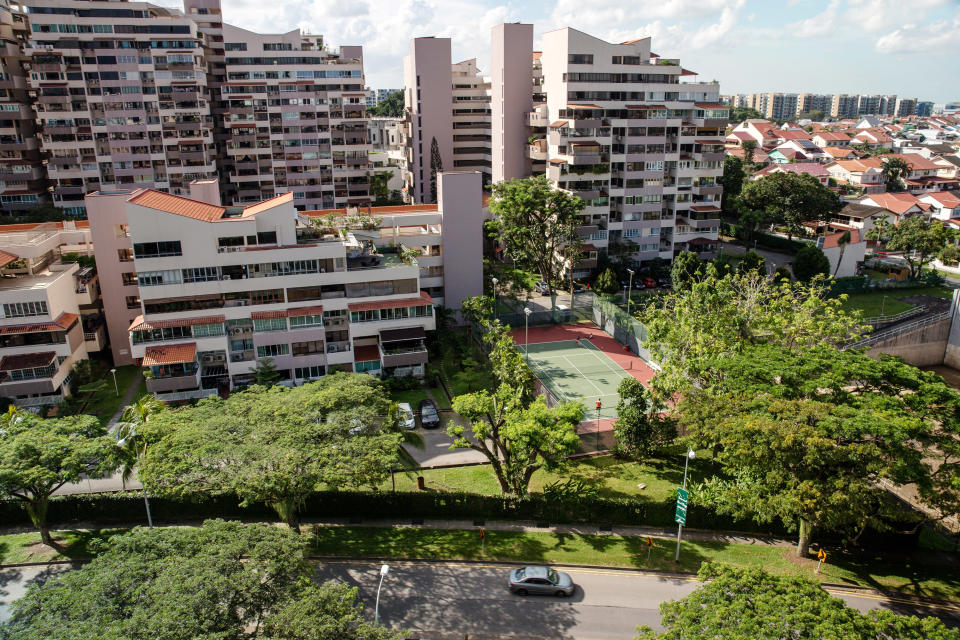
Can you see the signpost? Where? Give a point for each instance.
(483, 542)
(822, 557)
(683, 496)
(649, 547)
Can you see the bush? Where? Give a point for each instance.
(810, 262)
(401, 383)
(764, 240)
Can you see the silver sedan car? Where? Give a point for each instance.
(537, 580)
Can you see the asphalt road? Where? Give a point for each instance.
(449, 600)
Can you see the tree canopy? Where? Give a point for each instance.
(219, 581)
(751, 603)
(790, 199)
(39, 456)
(537, 225)
(390, 107)
(273, 445)
(894, 171)
(640, 428)
(516, 433)
(920, 240)
(810, 262)
(739, 114)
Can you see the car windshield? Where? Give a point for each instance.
(520, 574)
(552, 576)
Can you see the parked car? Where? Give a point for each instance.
(406, 416)
(649, 283)
(539, 580)
(637, 284)
(541, 287)
(429, 416)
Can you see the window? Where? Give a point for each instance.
(273, 350)
(307, 348)
(156, 278)
(206, 330)
(235, 46)
(631, 233)
(24, 309)
(580, 58)
(365, 316)
(270, 324)
(361, 367)
(302, 322)
(157, 249)
(133, 302)
(307, 373)
(200, 274)
(266, 237)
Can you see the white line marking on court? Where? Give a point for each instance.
(599, 390)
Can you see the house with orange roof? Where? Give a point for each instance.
(199, 293)
(865, 173)
(830, 139)
(944, 205)
(760, 131)
(814, 169)
(901, 205)
(923, 175)
(873, 138)
(798, 151)
(840, 153)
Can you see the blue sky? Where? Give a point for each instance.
(906, 47)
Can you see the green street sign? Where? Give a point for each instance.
(683, 496)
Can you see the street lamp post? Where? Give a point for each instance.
(384, 570)
(115, 387)
(132, 437)
(526, 331)
(883, 305)
(690, 456)
(629, 290)
(597, 438)
(495, 283)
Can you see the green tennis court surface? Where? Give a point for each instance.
(573, 370)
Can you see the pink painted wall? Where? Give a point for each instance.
(461, 203)
(206, 191)
(430, 93)
(511, 79)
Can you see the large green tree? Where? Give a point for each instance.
(39, 456)
(390, 107)
(734, 174)
(751, 603)
(739, 114)
(815, 436)
(641, 428)
(219, 581)
(537, 225)
(694, 327)
(894, 170)
(790, 199)
(273, 445)
(920, 240)
(515, 432)
(687, 269)
(810, 262)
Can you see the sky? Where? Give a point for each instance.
(903, 47)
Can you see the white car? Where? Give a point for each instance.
(406, 416)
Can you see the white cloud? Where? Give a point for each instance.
(880, 15)
(819, 25)
(935, 37)
(674, 38)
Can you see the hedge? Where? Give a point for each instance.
(122, 508)
(764, 240)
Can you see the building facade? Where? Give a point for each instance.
(200, 293)
(471, 119)
(844, 106)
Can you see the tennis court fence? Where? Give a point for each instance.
(624, 328)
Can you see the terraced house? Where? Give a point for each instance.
(201, 294)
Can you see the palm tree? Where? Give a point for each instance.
(894, 169)
(11, 418)
(880, 232)
(129, 433)
(843, 241)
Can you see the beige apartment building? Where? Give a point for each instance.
(50, 314)
(624, 129)
(200, 293)
(120, 96)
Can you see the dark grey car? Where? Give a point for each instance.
(537, 580)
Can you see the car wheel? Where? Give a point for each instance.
(561, 594)
(521, 592)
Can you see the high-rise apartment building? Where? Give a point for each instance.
(511, 104)
(807, 102)
(869, 105)
(471, 119)
(924, 109)
(643, 150)
(22, 174)
(296, 113)
(428, 96)
(905, 107)
(888, 105)
(121, 97)
(844, 106)
(199, 293)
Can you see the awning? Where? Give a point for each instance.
(709, 141)
(646, 106)
(27, 361)
(717, 209)
(139, 324)
(399, 335)
(7, 258)
(170, 354)
(559, 123)
(710, 105)
(304, 311)
(366, 353)
(392, 304)
(698, 242)
(266, 315)
(62, 323)
(583, 106)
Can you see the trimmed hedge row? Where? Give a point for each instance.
(764, 240)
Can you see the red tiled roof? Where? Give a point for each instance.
(791, 135)
(266, 315)
(833, 240)
(559, 123)
(896, 202)
(62, 323)
(27, 360)
(390, 304)
(269, 203)
(366, 353)
(916, 161)
(742, 135)
(304, 311)
(170, 354)
(178, 205)
(704, 208)
(945, 198)
(7, 258)
(812, 168)
(832, 135)
(139, 324)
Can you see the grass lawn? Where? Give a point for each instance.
(26, 547)
(872, 303)
(414, 397)
(935, 578)
(111, 402)
(612, 478)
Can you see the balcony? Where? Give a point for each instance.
(537, 119)
(175, 379)
(402, 347)
(538, 150)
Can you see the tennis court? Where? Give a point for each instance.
(577, 369)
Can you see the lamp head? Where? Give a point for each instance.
(494, 281)
(384, 569)
(527, 310)
(691, 454)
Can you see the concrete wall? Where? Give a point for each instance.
(511, 80)
(429, 96)
(926, 346)
(460, 196)
(853, 253)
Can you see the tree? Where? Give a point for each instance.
(640, 428)
(752, 261)
(516, 434)
(687, 269)
(739, 114)
(693, 328)
(814, 436)
(751, 603)
(380, 188)
(537, 226)
(842, 241)
(816, 115)
(880, 232)
(265, 372)
(132, 421)
(39, 456)
(782, 274)
(894, 170)
(791, 199)
(436, 166)
(734, 174)
(273, 445)
(810, 262)
(748, 146)
(390, 107)
(920, 240)
(606, 282)
(217, 581)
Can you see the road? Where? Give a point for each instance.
(15, 581)
(450, 600)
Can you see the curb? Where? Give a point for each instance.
(44, 564)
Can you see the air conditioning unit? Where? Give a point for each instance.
(236, 331)
(207, 359)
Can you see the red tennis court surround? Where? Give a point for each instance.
(631, 363)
